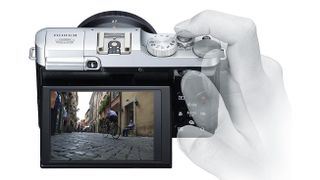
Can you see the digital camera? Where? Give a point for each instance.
(109, 90)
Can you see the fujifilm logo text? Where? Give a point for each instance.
(65, 35)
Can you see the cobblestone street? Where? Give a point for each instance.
(96, 146)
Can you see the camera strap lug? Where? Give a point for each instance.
(32, 53)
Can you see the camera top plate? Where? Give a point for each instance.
(119, 39)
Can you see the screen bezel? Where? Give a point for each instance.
(162, 129)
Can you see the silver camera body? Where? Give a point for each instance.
(90, 49)
(119, 51)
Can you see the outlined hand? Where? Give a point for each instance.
(243, 121)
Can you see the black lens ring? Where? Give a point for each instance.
(101, 19)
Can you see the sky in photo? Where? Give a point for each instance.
(83, 103)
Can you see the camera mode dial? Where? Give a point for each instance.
(162, 45)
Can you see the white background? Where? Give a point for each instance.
(288, 32)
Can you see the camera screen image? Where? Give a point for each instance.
(102, 125)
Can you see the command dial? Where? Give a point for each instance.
(204, 47)
(162, 45)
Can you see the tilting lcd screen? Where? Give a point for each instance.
(102, 125)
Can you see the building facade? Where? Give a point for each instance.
(94, 114)
(136, 106)
(66, 107)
